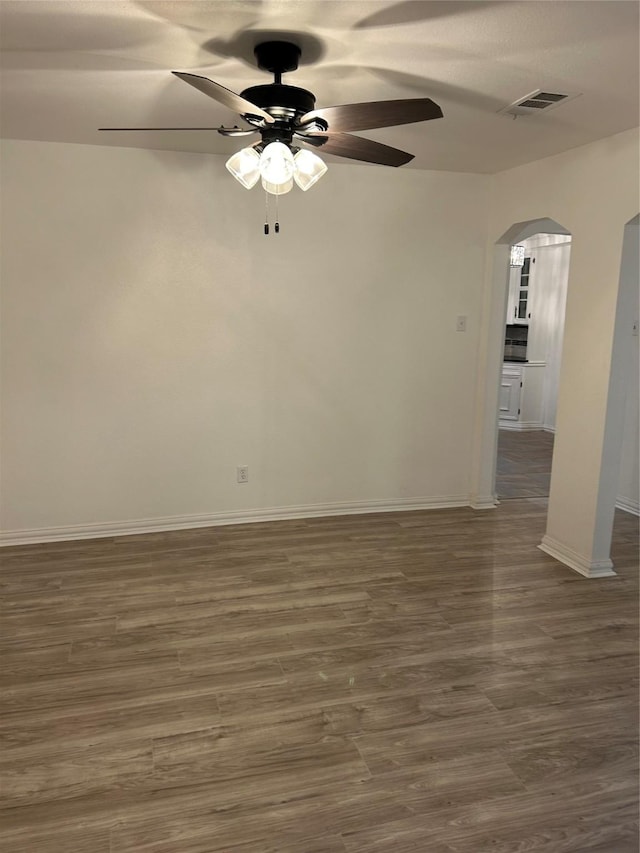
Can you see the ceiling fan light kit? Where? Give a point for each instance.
(277, 165)
(285, 116)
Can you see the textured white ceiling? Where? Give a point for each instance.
(71, 66)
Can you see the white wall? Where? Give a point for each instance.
(154, 338)
(628, 492)
(539, 240)
(550, 278)
(593, 192)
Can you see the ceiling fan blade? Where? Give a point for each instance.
(224, 96)
(225, 131)
(357, 148)
(375, 114)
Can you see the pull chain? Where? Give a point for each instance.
(266, 215)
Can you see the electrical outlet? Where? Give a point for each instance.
(461, 323)
(242, 473)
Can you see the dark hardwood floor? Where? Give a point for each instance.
(524, 463)
(421, 682)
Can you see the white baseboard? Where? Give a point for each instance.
(520, 426)
(627, 505)
(186, 522)
(575, 561)
(483, 501)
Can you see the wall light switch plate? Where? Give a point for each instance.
(461, 323)
(634, 331)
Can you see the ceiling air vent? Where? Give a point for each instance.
(535, 102)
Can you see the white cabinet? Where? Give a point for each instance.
(510, 388)
(520, 283)
(514, 279)
(522, 395)
(532, 402)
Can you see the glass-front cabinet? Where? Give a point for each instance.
(523, 291)
(519, 305)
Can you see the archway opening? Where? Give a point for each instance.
(528, 387)
(579, 524)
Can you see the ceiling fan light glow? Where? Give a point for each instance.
(278, 189)
(276, 165)
(309, 168)
(244, 166)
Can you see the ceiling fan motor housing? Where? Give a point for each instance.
(281, 101)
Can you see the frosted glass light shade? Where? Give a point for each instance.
(276, 164)
(309, 168)
(278, 189)
(244, 165)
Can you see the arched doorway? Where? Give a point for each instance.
(533, 334)
(595, 525)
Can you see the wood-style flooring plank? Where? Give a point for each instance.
(406, 682)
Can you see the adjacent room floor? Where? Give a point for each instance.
(419, 682)
(524, 463)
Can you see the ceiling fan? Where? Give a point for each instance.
(285, 115)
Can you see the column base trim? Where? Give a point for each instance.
(575, 561)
